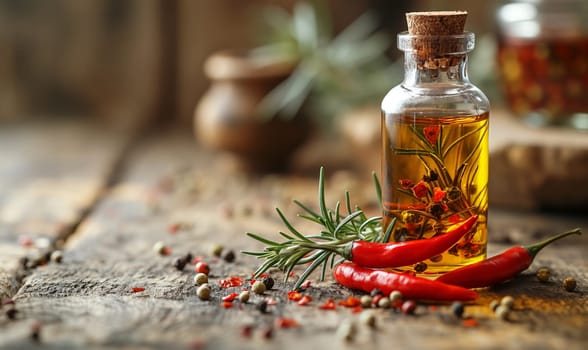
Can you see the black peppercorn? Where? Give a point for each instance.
(188, 257)
(269, 282)
(262, 306)
(375, 292)
(229, 257)
(420, 267)
(11, 313)
(457, 308)
(180, 263)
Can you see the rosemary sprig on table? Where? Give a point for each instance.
(339, 226)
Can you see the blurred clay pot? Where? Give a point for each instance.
(227, 116)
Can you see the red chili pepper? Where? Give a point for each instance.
(304, 300)
(498, 268)
(353, 276)
(376, 255)
(230, 297)
(137, 289)
(294, 295)
(328, 305)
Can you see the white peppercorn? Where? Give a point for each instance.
(203, 291)
(244, 296)
(200, 278)
(258, 287)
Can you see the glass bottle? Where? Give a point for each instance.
(542, 60)
(435, 149)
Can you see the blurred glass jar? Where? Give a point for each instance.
(543, 60)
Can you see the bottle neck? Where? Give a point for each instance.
(447, 70)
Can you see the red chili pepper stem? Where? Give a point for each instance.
(536, 248)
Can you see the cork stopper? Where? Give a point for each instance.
(437, 49)
(436, 22)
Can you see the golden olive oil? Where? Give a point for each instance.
(435, 175)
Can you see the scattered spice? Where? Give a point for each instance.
(246, 331)
(230, 297)
(470, 322)
(351, 301)
(262, 306)
(328, 305)
(368, 318)
(569, 284)
(304, 300)
(268, 332)
(137, 289)
(203, 291)
(227, 304)
(36, 331)
(294, 295)
(202, 267)
(56, 256)
(258, 287)
(384, 303)
(283, 322)
(161, 249)
(494, 304)
(543, 275)
(346, 330)
(457, 309)
(232, 281)
(507, 301)
(366, 301)
(395, 297)
(244, 296)
(200, 278)
(216, 250)
(376, 299)
(229, 257)
(180, 263)
(306, 284)
(502, 312)
(408, 307)
(11, 313)
(268, 282)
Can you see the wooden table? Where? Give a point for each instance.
(105, 197)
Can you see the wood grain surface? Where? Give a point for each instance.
(166, 181)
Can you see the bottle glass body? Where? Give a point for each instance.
(435, 149)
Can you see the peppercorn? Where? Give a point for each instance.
(269, 282)
(457, 308)
(262, 306)
(36, 331)
(408, 307)
(188, 257)
(368, 318)
(229, 256)
(543, 275)
(56, 256)
(346, 330)
(216, 250)
(258, 287)
(507, 301)
(180, 263)
(384, 303)
(502, 312)
(202, 267)
(366, 301)
(569, 284)
(268, 332)
(200, 278)
(375, 292)
(395, 296)
(203, 291)
(159, 247)
(244, 296)
(494, 304)
(436, 258)
(11, 313)
(420, 267)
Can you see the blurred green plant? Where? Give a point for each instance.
(333, 73)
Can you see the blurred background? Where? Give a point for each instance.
(138, 63)
(129, 60)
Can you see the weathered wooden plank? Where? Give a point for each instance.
(87, 300)
(51, 172)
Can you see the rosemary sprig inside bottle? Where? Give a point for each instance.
(340, 227)
(350, 236)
